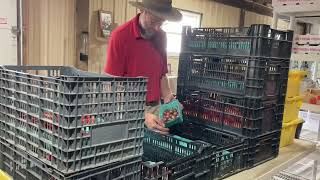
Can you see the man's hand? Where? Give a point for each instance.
(166, 92)
(155, 124)
(168, 98)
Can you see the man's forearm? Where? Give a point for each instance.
(165, 87)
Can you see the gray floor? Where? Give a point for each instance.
(309, 135)
(303, 169)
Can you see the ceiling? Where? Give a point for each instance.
(263, 7)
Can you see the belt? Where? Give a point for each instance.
(152, 103)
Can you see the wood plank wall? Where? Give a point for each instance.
(50, 37)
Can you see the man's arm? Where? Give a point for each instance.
(166, 92)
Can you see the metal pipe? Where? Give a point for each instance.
(314, 170)
(19, 32)
(308, 28)
(292, 24)
(242, 18)
(275, 20)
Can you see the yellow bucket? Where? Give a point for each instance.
(4, 176)
(292, 108)
(288, 132)
(294, 81)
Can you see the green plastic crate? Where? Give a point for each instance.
(175, 104)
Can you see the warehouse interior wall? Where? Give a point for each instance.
(121, 12)
(49, 32)
(53, 28)
(214, 14)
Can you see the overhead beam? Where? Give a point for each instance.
(248, 6)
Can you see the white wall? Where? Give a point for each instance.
(315, 30)
(8, 40)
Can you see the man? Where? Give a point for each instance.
(138, 48)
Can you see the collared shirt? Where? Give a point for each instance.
(130, 55)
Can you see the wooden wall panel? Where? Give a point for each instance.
(122, 12)
(50, 32)
(97, 49)
(214, 14)
(254, 18)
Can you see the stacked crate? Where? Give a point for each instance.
(234, 79)
(62, 123)
(192, 152)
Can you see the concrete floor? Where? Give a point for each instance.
(303, 169)
(287, 156)
(305, 166)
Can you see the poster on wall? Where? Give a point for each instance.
(105, 23)
(3, 22)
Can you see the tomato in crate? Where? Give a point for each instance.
(241, 115)
(171, 113)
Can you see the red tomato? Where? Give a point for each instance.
(313, 100)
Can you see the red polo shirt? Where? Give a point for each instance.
(130, 55)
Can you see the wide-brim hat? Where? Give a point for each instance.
(160, 8)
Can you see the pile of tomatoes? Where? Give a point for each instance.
(170, 114)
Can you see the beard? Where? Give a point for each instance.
(148, 34)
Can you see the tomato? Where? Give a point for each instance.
(175, 113)
(313, 100)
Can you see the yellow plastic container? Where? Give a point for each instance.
(291, 108)
(288, 132)
(294, 81)
(4, 176)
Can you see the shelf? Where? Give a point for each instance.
(301, 14)
(311, 107)
(305, 57)
(303, 8)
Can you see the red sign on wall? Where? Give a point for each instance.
(3, 20)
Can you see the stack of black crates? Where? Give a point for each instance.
(232, 84)
(61, 123)
(234, 80)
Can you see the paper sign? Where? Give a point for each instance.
(3, 20)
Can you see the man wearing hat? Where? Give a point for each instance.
(138, 48)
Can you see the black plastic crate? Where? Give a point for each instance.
(244, 116)
(262, 148)
(22, 166)
(254, 77)
(284, 80)
(171, 157)
(280, 110)
(257, 40)
(228, 158)
(70, 119)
